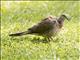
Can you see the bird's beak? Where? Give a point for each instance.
(68, 18)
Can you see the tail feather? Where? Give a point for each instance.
(19, 34)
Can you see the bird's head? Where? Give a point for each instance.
(66, 16)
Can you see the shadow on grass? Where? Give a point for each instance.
(34, 39)
(38, 40)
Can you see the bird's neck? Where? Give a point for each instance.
(61, 21)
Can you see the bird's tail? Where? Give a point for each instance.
(19, 34)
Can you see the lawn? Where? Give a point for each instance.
(18, 16)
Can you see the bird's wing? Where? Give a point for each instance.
(43, 26)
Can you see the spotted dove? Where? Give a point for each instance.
(48, 27)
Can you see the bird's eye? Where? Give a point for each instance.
(59, 22)
(54, 21)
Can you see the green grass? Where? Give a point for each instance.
(19, 16)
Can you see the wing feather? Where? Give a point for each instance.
(42, 27)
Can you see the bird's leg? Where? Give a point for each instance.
(46, 39)
(50, 38)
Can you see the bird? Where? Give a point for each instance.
(47, 27)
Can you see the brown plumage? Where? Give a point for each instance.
(48, 27)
